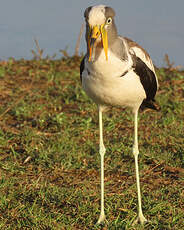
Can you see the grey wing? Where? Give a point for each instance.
(144, 68)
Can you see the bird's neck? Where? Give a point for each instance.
(115, 46)
(118, 48)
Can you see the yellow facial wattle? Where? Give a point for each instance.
(94, 33)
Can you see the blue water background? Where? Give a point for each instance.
(157, 25)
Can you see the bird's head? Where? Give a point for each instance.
(100, 28)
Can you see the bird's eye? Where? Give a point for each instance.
(109, 20)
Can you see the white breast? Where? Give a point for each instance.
(102, 68)
(102, 82)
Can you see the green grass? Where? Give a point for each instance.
(49, 160)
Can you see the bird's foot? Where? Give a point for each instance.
(101, 219)
(140, 219)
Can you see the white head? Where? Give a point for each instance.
(97, 15)
(100, 28)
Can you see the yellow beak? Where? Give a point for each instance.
(94, 33)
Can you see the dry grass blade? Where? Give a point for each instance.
(38, 54)
(171, 65)
(64, 52)
(78, 40)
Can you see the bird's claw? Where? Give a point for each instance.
(102, 219)
(140, 219)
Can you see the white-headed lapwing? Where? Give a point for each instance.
(116, 71)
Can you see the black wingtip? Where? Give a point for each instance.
(82, 66)
(150, 104)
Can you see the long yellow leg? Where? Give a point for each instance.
(102, 153)
(141, 217)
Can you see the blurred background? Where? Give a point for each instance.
(156, 25)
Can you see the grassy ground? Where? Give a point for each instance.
(49, 161)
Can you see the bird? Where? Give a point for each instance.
(116, 71)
